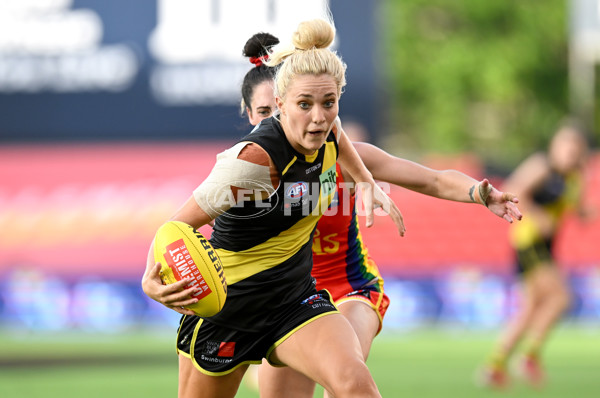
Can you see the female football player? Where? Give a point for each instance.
(549, 185)
(341, 263)
(281, 178)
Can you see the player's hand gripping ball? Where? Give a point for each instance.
(184, 253)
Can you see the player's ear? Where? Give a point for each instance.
(280, 105)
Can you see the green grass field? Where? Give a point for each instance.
(427, 363)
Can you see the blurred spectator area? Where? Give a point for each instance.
(73, 209)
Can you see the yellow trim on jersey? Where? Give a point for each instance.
(526, 232)
(311, 158)
(289, 165)
(243, 264)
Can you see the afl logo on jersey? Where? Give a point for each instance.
(296, 190)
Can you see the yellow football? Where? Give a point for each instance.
(184, 252)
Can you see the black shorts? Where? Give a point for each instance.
(537, 254)
(216, 350)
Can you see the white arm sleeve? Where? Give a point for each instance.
(215, 196)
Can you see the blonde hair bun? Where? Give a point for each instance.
(308, 54)
(315, 33)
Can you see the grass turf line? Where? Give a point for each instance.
(425, 363)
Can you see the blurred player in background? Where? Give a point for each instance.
(341, 263)
(273, 309)
(548, 186)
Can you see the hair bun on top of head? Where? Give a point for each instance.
(316, 33)
(309, 54)
(257, 47)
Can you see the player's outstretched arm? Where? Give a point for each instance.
(373, 195)
(444, 184)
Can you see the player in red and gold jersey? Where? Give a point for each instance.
(341, 262)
